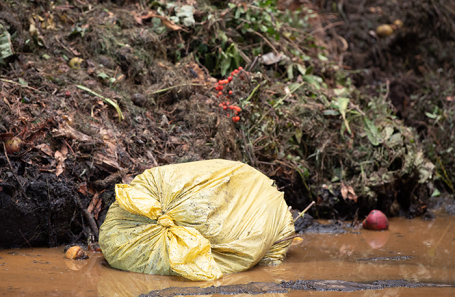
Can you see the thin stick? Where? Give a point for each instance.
(304, 211)
(88, 216)
(16, 83)
(287, 238)
(288, 94)
(173, 87)
(26, 239)
(266, 40)
(254, 62)
(12, 171)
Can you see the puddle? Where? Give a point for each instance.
(412, 250)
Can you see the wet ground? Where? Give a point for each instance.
(414, 251)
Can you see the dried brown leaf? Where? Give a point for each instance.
(83, 188)
(45, 149)
(167, 22)
(344, 191)
(94, 202)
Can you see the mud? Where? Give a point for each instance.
(411, 254)
(285, 287)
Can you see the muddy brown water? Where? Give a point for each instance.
(412, 250)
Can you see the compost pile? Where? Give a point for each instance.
(93, 93)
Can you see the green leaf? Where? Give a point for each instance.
(301, 69)
(372, 131)
(225, 64)
(343, 107)
(103, 75)
(322, 57)
(115, 105)
(298, 135)
(290, 71)
(312, 79)
(436, 193)
(186, 12)
(331, 112)
(309, 70)
(23, 82)
(6, 48)
(430, 115)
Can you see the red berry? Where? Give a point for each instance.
(230, 78)
(236, 71)
(224, 107)
(230, 92)
(240, 68)
(220, 88)
(220, 105)
(223, 103)
(220, 82)
(67, 93)
(226, 81)
(220, 93)
(231, 107)
(228, 103)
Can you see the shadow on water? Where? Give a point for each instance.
(414, 251)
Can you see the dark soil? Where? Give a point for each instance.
(284, 287)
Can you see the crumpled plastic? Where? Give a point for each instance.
(199, 220)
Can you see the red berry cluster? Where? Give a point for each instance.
(233, 110)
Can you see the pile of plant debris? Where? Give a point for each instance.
(414, 65)
(94, 93)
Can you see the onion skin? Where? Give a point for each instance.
(376, 220)
(384, 30)
(76, 253)
(13, 145)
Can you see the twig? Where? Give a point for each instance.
(327, 27)
(286, 239)
(266, 40)
(254, 62)
(16, 83)
(113, 178)
(173, 87)
(387, 84)
(12, 171)
(88, 216)
(304, 211)
(26, 239)
(288, 94)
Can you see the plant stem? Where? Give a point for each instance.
(304, 211)
(173, 87)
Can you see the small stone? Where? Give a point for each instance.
(139, 99)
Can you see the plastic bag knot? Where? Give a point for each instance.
(165, 221)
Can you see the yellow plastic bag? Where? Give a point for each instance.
(198, 220)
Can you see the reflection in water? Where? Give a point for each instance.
(45, 272)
